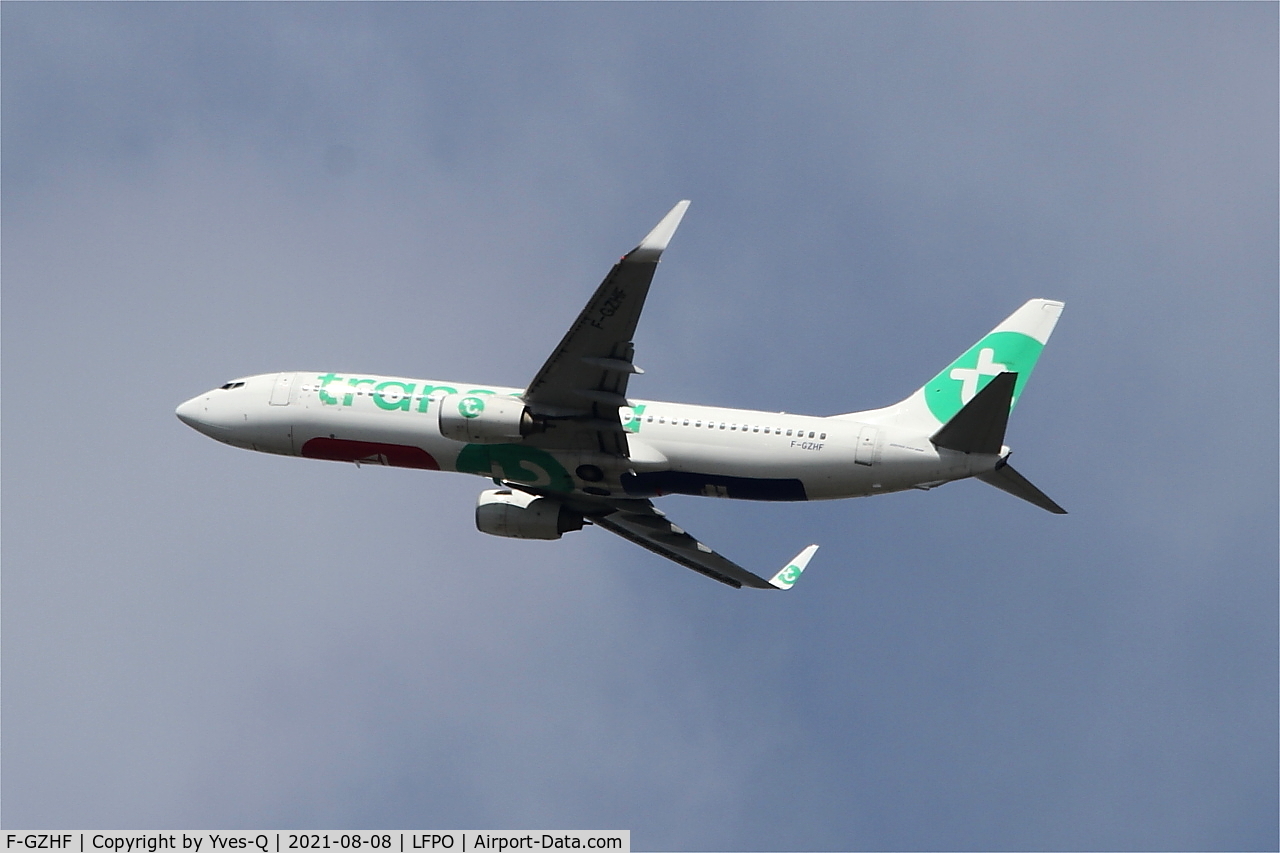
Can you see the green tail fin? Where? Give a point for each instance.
(1012, 347)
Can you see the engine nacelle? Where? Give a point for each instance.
(514, 514)
(484, 418)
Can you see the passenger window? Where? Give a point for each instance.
(788, 432)
(650, 418)
(810, 435)
(766, 430)
(755, 429)
(698, 424)
(823, 436)
(686, 422)
(722, 425)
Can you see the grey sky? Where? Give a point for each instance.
(195, 636)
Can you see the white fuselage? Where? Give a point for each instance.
(675, 448)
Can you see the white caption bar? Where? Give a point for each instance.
(365, 841)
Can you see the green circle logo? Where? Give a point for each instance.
(470, 407)
(998, 352)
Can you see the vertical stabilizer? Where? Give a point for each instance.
(1014, 346)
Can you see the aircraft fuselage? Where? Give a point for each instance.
(676, 448)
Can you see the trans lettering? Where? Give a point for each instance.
(390, 395)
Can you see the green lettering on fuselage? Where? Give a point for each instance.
(324, 395)
(390, 395)
(348, 399)
(428, 390)
(405, 395)
(632, 417)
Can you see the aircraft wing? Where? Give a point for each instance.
(580, 388)
(648, 527)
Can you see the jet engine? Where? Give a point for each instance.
(484, 418)
(504, 512)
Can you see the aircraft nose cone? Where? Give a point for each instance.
(192, 413)
(189, 412)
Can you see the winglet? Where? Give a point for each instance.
(652, 246)
(787, 578)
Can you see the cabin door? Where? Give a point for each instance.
(282, 391)
(865, 451)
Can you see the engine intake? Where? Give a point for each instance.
(517, 515)
(484, 418)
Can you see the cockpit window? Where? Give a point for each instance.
(230, 385)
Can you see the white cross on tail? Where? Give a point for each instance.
(969, 376)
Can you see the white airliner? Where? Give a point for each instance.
(573, 448)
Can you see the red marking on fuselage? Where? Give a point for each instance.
(371, 452)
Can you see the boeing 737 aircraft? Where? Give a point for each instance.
(574, 448)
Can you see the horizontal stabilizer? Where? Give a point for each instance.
(979, 426)
(1008, 480)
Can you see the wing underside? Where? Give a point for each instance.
(639, 521)
(578, 390)
(650, 529)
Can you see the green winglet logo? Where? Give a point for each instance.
(470, 407)
(998, 352)
(787, 578)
